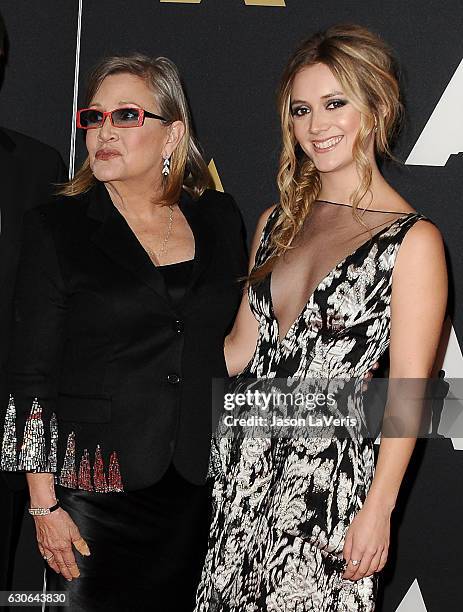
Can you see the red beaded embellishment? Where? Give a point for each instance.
(114, 478)
(83, 480)
(99, 477)
(35, 456)
(85, 475)
(68, 477)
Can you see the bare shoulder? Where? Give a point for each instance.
(423, 235)
(421, 252)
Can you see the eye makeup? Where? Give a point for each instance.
(300, 110)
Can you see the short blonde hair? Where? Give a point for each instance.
(188, 169)
(365, 68)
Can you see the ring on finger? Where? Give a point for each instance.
(49, 557)
(354, 562)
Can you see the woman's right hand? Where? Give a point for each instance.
(56, 535)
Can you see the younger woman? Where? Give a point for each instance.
(341, 269)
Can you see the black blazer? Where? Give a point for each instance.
(120, 376)
(28, 169)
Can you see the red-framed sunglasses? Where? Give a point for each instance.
(92, 118)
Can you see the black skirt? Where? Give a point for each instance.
(147, 547)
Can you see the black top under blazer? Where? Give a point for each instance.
(109, 382)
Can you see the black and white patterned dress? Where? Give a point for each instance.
(281, 508)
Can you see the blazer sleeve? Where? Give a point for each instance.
(30, 431)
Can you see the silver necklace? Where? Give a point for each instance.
(163, 249)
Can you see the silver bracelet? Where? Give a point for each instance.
(44, 511)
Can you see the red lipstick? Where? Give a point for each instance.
(105, 154)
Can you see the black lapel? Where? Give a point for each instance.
(117, 240)
(196, 214)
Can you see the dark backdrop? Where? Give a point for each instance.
(231, 53)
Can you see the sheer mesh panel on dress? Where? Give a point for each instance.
(329, 235)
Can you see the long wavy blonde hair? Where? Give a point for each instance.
(364, 66)
(188, 170)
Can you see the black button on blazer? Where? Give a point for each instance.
(108, 381)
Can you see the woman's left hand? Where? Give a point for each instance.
(367, 541)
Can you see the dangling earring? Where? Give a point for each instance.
(166, 166)
(376, 125)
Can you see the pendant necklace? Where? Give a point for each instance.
(162, 251)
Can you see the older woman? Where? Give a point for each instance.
(126, 289)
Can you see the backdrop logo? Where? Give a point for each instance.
(413, 600)
(265, 2)
(215, 176)
(443, 133)
(248, 2)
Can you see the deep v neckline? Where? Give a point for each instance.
(312, 295)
